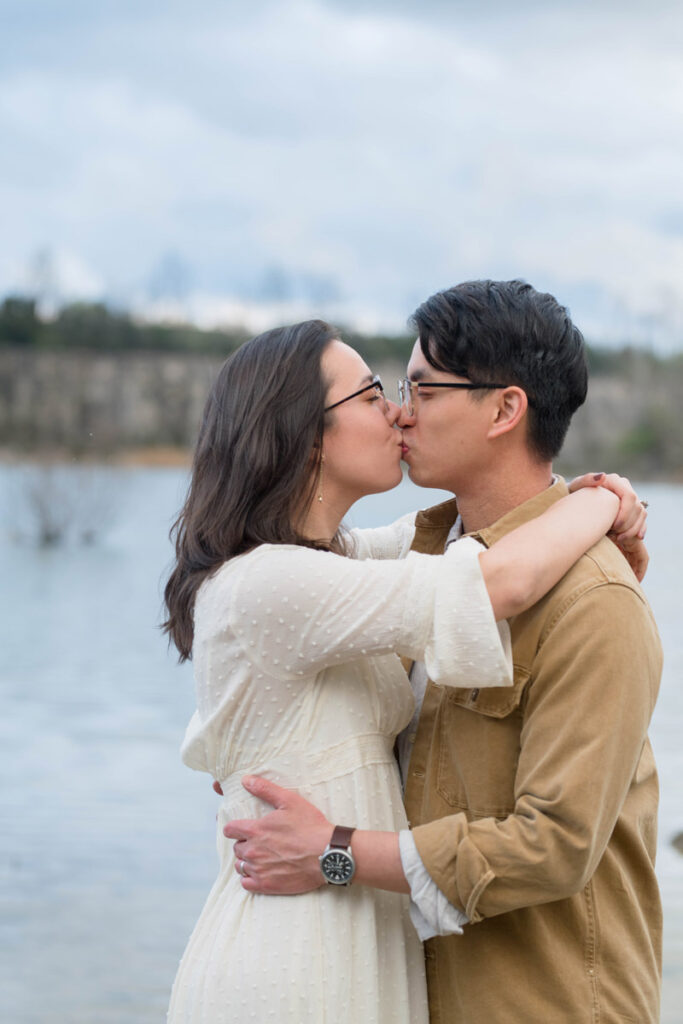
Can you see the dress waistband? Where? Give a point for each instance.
(295, 770)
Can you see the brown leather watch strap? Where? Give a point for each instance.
(341, 836)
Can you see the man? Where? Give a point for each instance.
(533, 808)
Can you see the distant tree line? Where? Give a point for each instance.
(95, 326)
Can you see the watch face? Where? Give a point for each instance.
(337, 867)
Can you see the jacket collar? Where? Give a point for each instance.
(432, 524)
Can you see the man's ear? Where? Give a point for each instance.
(510, 410)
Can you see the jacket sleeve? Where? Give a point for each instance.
(586, 717)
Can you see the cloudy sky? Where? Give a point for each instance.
(268, 159)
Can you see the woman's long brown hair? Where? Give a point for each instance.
(255, 463)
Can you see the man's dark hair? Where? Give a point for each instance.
(506, 331)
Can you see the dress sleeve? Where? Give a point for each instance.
(391, 541)
(297, 611)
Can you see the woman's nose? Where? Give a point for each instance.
(392, 411)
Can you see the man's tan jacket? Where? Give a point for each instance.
(534, 808)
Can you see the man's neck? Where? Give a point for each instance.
(499, 490)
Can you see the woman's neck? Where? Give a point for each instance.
(323, 519)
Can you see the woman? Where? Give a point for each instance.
(295, 672)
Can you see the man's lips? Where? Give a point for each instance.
(404, 448)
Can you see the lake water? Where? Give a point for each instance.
(107, 840)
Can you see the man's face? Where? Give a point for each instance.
(446, 438)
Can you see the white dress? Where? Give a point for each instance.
(296, 680)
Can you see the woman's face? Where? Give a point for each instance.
(362, 448)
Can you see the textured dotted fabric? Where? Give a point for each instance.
(297, 680)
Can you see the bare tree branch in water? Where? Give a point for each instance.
(54, 504)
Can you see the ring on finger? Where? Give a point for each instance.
(240, 869)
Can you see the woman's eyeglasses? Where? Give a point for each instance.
(374, 385)
(409, 390)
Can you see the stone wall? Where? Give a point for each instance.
(87, 401)
(100, 403)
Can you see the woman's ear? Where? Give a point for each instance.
(510, 409)
(316, 457)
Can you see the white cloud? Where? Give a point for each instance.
(390, 149)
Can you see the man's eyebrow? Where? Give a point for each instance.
(419, 375)
(367, 379)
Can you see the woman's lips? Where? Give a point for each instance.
(404, 449)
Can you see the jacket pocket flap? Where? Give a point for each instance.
(493, 701)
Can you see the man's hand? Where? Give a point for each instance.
(629, 527)
(278, 853)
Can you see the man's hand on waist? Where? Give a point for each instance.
(278, 853)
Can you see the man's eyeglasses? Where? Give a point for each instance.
(374, 385)
(409, 390)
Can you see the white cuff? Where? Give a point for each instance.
(430, 911)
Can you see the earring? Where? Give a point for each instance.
(320, 479)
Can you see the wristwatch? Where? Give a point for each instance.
(336, 862)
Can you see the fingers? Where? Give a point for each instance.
(630, 520)
(586, 480)
(261, 881)
(629, 506)
(247, 868)
(251, 885)
(240, 829)
(640, 568)
(636, 554)
(279, 798)
(246, 860)
(247, 879)
(248, 875)
(264, 789)
(638, 558)
(637, 530)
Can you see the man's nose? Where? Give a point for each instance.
(405, 419)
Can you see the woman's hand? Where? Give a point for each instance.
(629, 527)
(630, 519)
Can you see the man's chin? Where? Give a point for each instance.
(416, 476)
(421, 478)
